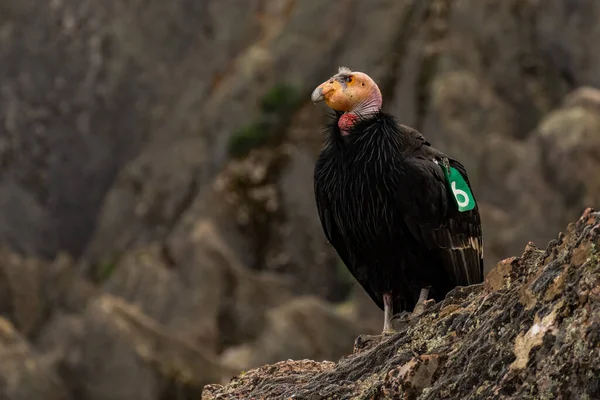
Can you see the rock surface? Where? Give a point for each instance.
(110, 150)
(24, 374)
(302, 328)
(531, 331)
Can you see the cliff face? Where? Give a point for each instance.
(157, 209)
(531, 331)
(115, 117)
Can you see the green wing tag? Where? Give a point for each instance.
(461, 191)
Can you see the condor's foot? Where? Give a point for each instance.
(422, 303)
(420, 308)
(401, 319)
(365, 342)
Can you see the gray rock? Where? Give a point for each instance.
(305, 327)
(33, 288)
(126, 354)
(24, 374)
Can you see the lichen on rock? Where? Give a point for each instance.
(530, 331)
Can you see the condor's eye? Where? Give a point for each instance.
(349, 79)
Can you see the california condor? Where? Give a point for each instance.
(400, 214)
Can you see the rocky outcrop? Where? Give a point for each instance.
(109, 150)
(85, 88)
(304, 327)
(530, 331)
(152, 332)
(33, 289)
(124, 354)
(24, 374)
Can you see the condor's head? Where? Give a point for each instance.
(355, 93)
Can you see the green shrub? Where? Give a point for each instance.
(281, 98)
(248, 137)
(275, 106)
(104, 270)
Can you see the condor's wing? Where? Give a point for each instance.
(433, 218)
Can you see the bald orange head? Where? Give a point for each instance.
(349, 91)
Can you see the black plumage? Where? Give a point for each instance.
(385, 206)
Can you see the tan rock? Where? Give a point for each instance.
(24, 374)
(302, 328)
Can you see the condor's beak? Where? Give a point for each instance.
(323, 91)
(317, 95)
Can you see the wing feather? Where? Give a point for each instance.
(438, 225)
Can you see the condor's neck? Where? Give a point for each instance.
(378, 127)
(375, 142)
(367, 108)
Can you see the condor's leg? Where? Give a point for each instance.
(388, 313)
(364, 341)
(420, 306)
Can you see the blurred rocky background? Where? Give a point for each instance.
(157, 217)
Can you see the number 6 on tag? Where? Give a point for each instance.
(462, 194)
